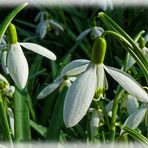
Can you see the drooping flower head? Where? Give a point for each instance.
(92, 83)
(16, 61)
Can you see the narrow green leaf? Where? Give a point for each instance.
(9, 18)
(4, 122)
(136, 135)
(39, 128)
(57, 117)
(21, 116)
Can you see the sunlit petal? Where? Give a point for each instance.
(79, 96)
(128, 83)
(39, 49)
(17, 65)
(75, 67)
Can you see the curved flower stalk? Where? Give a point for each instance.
(5, 88)
(142, 44)
(16, 61)
(58, 82)
(46, 24)
(92, 83)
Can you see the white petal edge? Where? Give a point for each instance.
(47, 90)
(39, 49)
(135, 118)
(17, 65)
(128, 83)
(79, 96)
(83, 34)
(75, 67)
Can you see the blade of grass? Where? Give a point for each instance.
(56, 122)
(136, 135)
(4, 122)
(9, 18)
(21, 116)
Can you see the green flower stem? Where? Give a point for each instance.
(9, 18)
(21, 117)
(114, 114)
(124, 67)
(126, 44)
(12, 34)
(4, 122)
(110, 24)
(100, 103)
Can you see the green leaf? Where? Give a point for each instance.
(21, 116)
(9, 18)
(56, 122)
(135, 51)
(39, 128)
(136, 135)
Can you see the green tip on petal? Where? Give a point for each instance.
(99, 50)
(12, 34)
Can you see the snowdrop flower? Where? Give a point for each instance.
(16, 61)
(58, 82)
(5, 88)
(94, 33)
(93, 81)
(45, 24)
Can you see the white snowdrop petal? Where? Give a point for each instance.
(135, 118)
(83, 34)
(109, 106)
(3, 61)
(79, 96)
(17, 65)
(58, 80)
(47, 90)
(38, 16)
(72, 79)
(75, 67)
(39, 49)
(132, 104)
(130, 63)
(100, 76)
(128, 83)
(55, 25)
(96, 32)
(42, 30)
